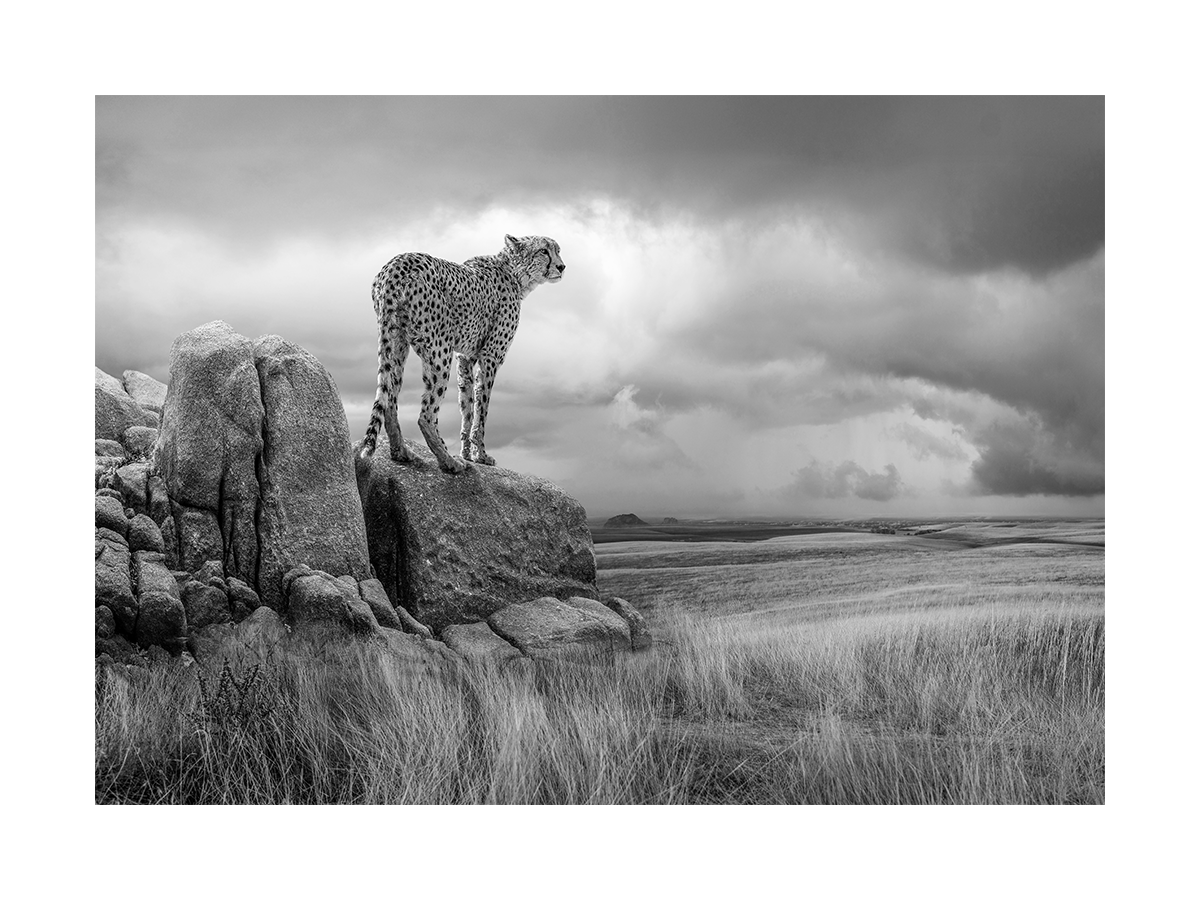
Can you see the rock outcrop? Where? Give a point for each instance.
(230, 518)
(453, 549)
(255, 458)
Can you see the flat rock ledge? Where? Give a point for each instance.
(453, 549)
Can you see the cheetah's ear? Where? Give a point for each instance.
(511, 242)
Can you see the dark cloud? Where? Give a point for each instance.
(1032, 345)
(925, 445)
(963, 184)
(820, 481)
(1018, 461)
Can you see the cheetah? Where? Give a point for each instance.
(441, 309)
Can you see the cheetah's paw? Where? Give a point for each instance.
(456, 466)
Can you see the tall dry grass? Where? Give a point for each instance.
(975, 707)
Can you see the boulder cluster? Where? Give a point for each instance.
(230, 513)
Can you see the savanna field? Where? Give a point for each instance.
(964, 665)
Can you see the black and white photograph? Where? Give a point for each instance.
(601, 449)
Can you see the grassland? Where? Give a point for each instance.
(820, 668)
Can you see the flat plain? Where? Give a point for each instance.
(843, 572)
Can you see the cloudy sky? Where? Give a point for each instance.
(773, 306)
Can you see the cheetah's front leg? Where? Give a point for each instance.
(483, 395)
(436, 375)
(466, 403)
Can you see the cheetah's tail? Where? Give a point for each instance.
(372, 436)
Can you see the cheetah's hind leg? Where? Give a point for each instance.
(436, 376)
(393, 377)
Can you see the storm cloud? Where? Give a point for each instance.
(909, 285)
(834, 482)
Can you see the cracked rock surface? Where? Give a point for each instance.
(453, 549)
(254, 451)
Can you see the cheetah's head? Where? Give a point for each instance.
(536, 257)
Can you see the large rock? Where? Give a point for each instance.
(146, 391)
(316, 598)
(209, 448)
(311, 513)
(115, 409)
(550, 627)
(254, 451)
(453, 549)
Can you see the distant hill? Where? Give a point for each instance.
(625, 520)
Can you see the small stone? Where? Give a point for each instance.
(108, 536)
(111, 515)
(118, 649)
(148, 392)
(153, 576)
(159, 506)
(161, 621)
(317, 598)
(212, 573)
(199, 537)
(376, 597)
(207, 642)
(240, 592)
(639, 632)
(106, 623)
(262, 630)
(130, 480)
(105, 447)
(550, 627)
(114, 409)
(113, 587)
(205, 605)
(108, 492)
(598, 609)
(144, 534)
(359, 617)
(170, 541)
(478, 641)
(157, 655)
(139, 440)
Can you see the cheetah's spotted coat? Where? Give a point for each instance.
(440, 309)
